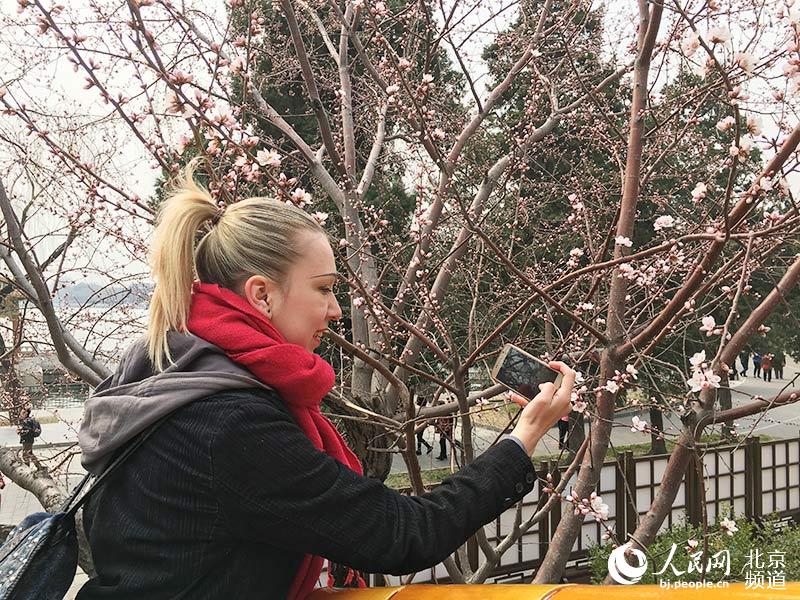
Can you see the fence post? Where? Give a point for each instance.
(544, 524)
(752, 478)
(631, 510)
(621, 495)
(691, 483)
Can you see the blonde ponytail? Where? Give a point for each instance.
(172, 262)
(256, 236)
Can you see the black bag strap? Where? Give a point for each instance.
(71, 505)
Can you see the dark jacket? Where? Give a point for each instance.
(27, 430)
(225, 498)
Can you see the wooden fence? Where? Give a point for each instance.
(754, 478)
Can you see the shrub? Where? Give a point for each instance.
(770, 537)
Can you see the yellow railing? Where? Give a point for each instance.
(734, 591)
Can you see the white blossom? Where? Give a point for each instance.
(745, 61)
(754, 125)
(690, 43)
(698, 359)
(599, 508)
(719, 34)
(726, 123)
(623, 241)
(709, 325)
(301, 197)
(268, 158)
(728, 526)
(664, 222)
(638, 425)
(699, 191)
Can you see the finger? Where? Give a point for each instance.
(546, 390)
(568, 373)
(520, 401)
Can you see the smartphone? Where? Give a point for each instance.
(522, 373)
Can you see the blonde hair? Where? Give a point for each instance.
(256, 236)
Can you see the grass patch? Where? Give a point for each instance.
(494, 417)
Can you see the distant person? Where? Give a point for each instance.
(28, 429)
(756, 364)
(766, 366)
(744, 358)
(421, 441)
(563, 430)
(778, 362)
(444, 426)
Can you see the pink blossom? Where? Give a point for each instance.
(612, 386)
(745, 61)
(379, 9)
(301, 197)
(621, 240)
(320, 217)
(179, 77)
(699, 191)
(709, 324)
(726, 123)
(702, 380)
(599, 508)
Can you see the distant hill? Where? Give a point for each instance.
(95, 294)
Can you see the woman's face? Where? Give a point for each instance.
(303, 306)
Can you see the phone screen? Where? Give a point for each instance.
(523, 374)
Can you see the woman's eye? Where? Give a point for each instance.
(327, 290)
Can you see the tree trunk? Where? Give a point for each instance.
(362, 436)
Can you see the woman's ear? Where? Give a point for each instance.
(260, 293)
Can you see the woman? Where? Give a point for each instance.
(245, 486)
(766, 366)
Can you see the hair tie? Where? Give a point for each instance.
(218, 215)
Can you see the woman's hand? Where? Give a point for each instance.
(541, 413)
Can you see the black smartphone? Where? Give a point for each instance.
(522, 373)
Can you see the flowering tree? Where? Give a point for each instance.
(580, 204)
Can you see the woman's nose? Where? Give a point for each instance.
(334, 311)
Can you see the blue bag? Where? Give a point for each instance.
(39, 557)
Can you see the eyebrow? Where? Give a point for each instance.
(336, 275)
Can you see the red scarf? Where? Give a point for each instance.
(301, 378)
